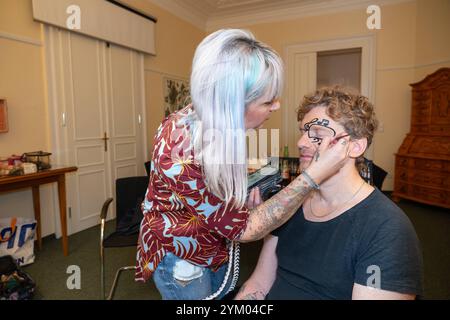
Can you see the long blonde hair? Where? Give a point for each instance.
(230, 70)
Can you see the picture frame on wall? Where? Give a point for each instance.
(3, 116)
(176, 94)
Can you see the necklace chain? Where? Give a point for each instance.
(339, 207)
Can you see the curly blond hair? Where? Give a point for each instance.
(345, 106)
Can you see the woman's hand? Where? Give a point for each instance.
(329, 158)
(254, 198)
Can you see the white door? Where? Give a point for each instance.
(125, 100)
(96, 95)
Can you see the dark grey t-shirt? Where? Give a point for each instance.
(373, 243)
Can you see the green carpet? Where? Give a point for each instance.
(432, 225)
(50, 267)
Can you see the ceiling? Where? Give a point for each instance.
(212, 14)
(215, 8)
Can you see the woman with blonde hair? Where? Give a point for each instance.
(195, 209)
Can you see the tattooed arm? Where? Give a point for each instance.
(278, 209)
(263, 277)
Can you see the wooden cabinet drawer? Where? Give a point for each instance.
(402, 161)
(425, 178)
(439, 129)
(429, 194)
(418, 128)
(401, 174)
(426, 164)
(422, 194)
(401, 187)
(422, 164)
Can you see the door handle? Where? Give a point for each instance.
(105, 140)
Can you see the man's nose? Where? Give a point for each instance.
(303, 141)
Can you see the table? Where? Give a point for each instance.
(33, 181)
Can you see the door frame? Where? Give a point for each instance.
(57, 136)
(58, 139)
(367, 43)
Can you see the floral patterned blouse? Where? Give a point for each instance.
(180, 214)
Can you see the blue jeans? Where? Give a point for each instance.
(178, 279)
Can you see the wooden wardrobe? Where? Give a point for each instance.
(422, 163)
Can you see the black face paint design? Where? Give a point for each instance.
(316, 122)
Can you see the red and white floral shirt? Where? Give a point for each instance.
(180, 214)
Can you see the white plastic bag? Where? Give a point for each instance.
(17, 239)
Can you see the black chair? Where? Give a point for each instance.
(130, 193)
(147, 166)
(371, 173)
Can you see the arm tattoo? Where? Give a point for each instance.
(254, 295)
(257, 295)
(317, 156)
(276, 211)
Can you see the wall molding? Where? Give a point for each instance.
(165, 74)
(291, 13)
(409, 67)
(395, 68)
(425, 65)
(239, 18)
(19, 38)
(187, 14)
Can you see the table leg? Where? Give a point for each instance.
(37, 214)
(62, 212)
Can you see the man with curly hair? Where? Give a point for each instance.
(347, 240)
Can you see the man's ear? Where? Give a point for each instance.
(357, 147)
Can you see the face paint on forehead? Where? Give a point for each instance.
(322, 123)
